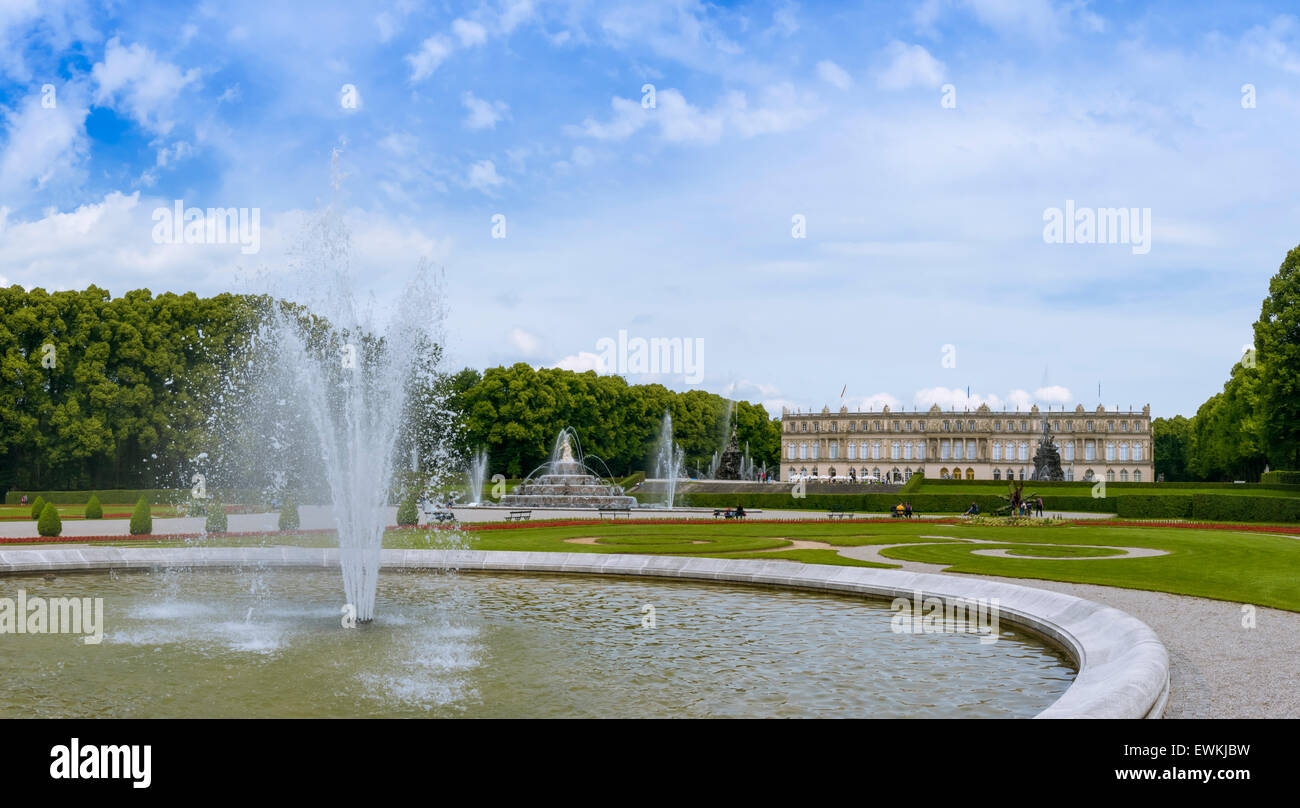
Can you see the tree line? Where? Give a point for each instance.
(1255, 422)
(142, 391)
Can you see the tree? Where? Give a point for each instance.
(1277, 345)
(141, 519)
(93, 509)
(407, 513)
(216, 518)
(288, 519)
(1170, 443)
(49, 524)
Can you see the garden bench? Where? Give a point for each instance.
(519, 516)
(614, 513)
(838, 512)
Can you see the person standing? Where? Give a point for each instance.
(1038, 505)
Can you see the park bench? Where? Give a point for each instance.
(727, 513)
(838, 512)
(519, 516)
(614, 512)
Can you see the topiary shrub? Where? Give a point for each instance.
(141, 519)
(216, 521)
(49, 524)
(407, 513)
(288, 515)
(93, 509)
(37, 507)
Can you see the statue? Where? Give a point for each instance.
(1047, 460)
(730, 462)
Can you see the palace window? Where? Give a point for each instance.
(893, 451)
(1123, 452)
(1110, 426)
(1068, 451)
(947, 426)
(956, 425)
(835, 450)
(970, 450)
(853, 451)
(896, 426)
(1011, 426)
(875, 450)
(803, 451)
(803, 426)
(1137, 451)
(1011, 475)
(1123, 475)
(789, 451)
(997, 427)
(835, 426)
(1123, 426)
(920, 427)
(970, 426)
(1110, 452)
(853, 426)
(920, 451)
(1024, 452)
(816, 452)
(945, 449)
(997, 474)
(907, 427)
(957, 453)
(817, 426)
(1090, 426)
(1137, 476)
(997, 451)
(907, 450)
(1110, 475)
(1089, 451)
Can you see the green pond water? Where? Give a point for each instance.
(269, 644)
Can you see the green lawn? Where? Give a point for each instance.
(993, 487)
(111, 511)
(1231, 565)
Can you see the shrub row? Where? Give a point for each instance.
(1281, 478)
(1210, 508)
(1269, 484)
(154, 496)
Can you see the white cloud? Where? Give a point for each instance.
(581, 361)
(1053, 395)
(907, 66)
(956, 399)
(1277, 44)
(144, 84)
(515, 13)
(483, 114)
(525, 343)
(483, 176)
(43, 147)
(833, 74)
(432, 53)
(469, 32)
(678, 121)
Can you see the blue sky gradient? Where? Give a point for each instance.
(924, 223)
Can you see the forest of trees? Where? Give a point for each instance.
(139, 391)
(1255, 421)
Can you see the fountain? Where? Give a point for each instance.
(361, 385)
(670, 461)
(477, 475)
(729, 466)
(566, 482)
(1047, 459)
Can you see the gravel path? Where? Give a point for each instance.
(1218, 668)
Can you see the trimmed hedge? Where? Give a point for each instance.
(49, 524)
(913, 483)
(155, 496)
(1045, 484)
(1280, 478)
(216, 518)
(141, 519)
(288, 519)
(93, 509)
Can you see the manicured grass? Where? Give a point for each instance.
(111, 511)
(1233, 565)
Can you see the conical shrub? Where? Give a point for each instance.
(93, 509)
(407, 513)
(141, 519)
(49, 524)
(216, 521)
(37, 507)
(288, 515)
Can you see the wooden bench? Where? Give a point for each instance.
(728, 513)
(614, 512)
(838, 512)
(519, 516)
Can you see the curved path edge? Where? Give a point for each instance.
(1123, 666)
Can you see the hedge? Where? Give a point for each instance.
(881, 503)
(154, 496)
(215, 521)
(1045, 484)
(1281, 478)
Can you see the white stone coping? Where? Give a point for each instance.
(1123, 669)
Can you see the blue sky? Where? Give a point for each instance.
(924, 223)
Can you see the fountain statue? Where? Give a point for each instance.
(730, 464)
(1047, 460)
(567, 482)
(670, 461)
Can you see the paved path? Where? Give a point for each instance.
(1219, 669)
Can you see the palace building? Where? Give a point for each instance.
(971, 445)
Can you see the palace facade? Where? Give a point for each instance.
(976, 444)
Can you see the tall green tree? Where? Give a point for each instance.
(1277, 341)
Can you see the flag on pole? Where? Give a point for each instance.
(846, 387)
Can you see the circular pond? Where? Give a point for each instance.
(269, 643)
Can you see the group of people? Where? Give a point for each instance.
(903, 510)
(1025, 508)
